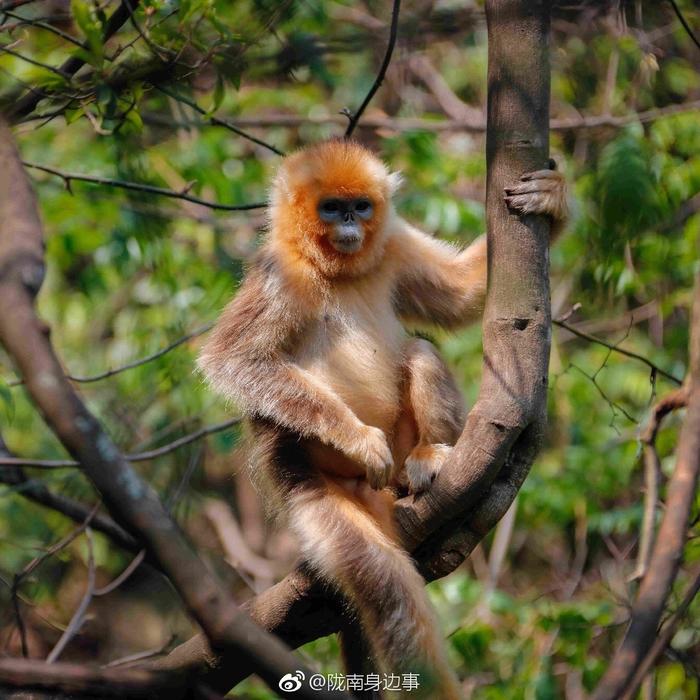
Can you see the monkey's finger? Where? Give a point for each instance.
(524, 203)
(533, 186)
(542, 175)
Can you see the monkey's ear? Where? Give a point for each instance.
(395, 182)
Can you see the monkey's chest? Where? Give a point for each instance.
(359, 357)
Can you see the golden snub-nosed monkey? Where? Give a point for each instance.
(342, 402)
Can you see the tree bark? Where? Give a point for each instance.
(505, 428)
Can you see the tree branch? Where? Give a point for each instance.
(652, 475)
(668, 550)
(663, 639)
(134, 363)
(141, 187)
(35, 491)
(217, 121)
(136, 457)
(402, 124)
(616, 348)
(27, 675)
(71, 66)
(684, 23)
(393, 33)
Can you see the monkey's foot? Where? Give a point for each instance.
(423, 465)
(540, 192)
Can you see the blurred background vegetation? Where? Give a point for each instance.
(537, 610)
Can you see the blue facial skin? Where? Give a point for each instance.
(346, 216)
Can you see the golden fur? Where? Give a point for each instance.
(341, 400)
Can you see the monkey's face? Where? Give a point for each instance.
(330, 206)
(346, 217)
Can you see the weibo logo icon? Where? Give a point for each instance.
(291, 682)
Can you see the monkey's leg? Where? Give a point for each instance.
(346, 546)
(437, 407)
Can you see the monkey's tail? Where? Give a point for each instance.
(346, 546)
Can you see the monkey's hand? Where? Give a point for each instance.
(372, 450)
(540, 192)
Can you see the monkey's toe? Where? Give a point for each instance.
(423, 465)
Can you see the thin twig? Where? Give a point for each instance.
(36, 562)
(148, 41)
(72, 65)
(14, 4)
(42, 25)
(137, 457)
(685, 24)
(170, 503)
(615, 348)
(217, 121)
(393, 33)
(123, 576)
(404, 124)
(6, 48)
(79, 615)
(140, 187)
(134, 363)
(140, 655)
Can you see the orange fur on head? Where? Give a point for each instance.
(330, 169)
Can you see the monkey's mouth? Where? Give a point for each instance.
(347, 244)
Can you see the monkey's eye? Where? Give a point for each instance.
(362, 205)
(330, 207)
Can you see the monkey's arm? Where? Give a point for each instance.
(438, 284)
(441, 285)
(247, 359)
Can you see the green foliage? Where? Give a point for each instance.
(129, 273)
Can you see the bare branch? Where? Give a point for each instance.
(14, 4)
(79, 615)
(663, 639)
(38, 22)
(141, 187)
(616, 348)
(134, 363)
(393, 33)
(75, 679)
(652, 475)
(71, 66)
(238, 554)
(76, 511)
(123, 576)
(217, 121)
(402, 124)
(136, 457)
(7, 48)
(684, 22)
